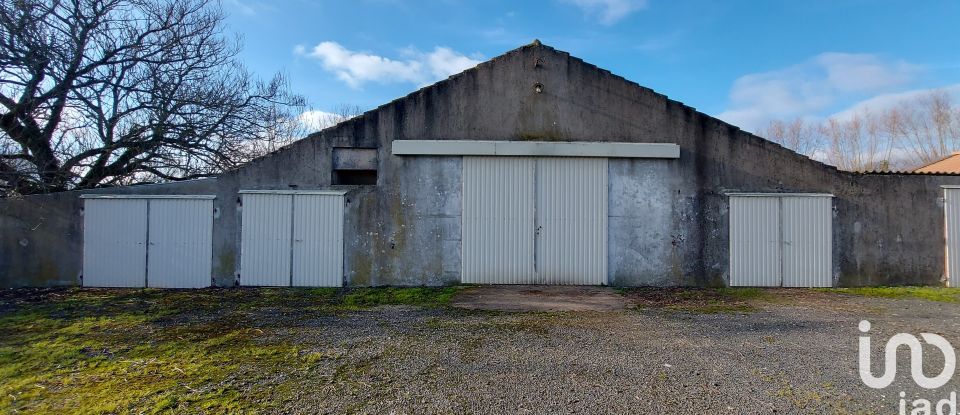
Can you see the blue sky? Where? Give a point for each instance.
(746, 62)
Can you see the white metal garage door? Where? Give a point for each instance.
(153, 241)
(534, 220)
(181, 243)
(807, 241)
(115, 243)
(498, 227)
(781, 240)
(291, 238)
(952, 212)
(571, 219)
(318, 240)
(755, 241)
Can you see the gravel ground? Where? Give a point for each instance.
(794, 355)
(328, 351)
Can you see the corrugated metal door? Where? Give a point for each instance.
(571, 221)
(952, 211)
(807, 241)
(755, 241)
(114, 242)
(181, 243)
(318, 240)
(266, 239)
(498, 224)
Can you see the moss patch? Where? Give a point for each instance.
(938, 294)
(421, 296)
(153, 351)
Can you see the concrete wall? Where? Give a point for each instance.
(668, 218)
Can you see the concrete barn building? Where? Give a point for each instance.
(534, 167)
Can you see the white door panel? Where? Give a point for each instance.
(181, 243)
(266, 239)
(114, 242)
(318, 240)
(755, 241)
(498, 224)
(807, 241)
(571, 219)
(952, 211)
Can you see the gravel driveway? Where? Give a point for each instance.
(796, 354)
(342, 351)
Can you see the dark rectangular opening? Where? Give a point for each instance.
(355, 177)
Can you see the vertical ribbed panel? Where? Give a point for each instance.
(498, 210)
(755, 241)
(807, 241)
(114, 242)
(265, 239)
(952, 209)
(181, 243)
(318, 240)
(571, 219)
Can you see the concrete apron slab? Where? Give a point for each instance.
(539, 298)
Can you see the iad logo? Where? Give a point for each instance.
(918, 406)
(916, 359)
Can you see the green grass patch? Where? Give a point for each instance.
(168, 351)
(419, 296)
(938, 294)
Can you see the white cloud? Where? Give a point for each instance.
(316, 120)
(609, 12)
(885, 102)
(808, 88)
(356, 68)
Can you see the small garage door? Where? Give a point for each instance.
(291, 239)
(781, 240)
(755, 241)
(952, 219)
(181, 243)
(115, 243)
(534, 220)
(147, 241)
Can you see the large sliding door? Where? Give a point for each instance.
(498, 220)
(571, 219)
(534, 220)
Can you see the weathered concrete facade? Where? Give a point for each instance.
(668, 222)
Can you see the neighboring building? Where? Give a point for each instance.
(533, 167)
(948, 164)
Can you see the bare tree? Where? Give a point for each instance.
(913, 133)
(798, 135)
(105, 92)
(928, 127)
(859, 143)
